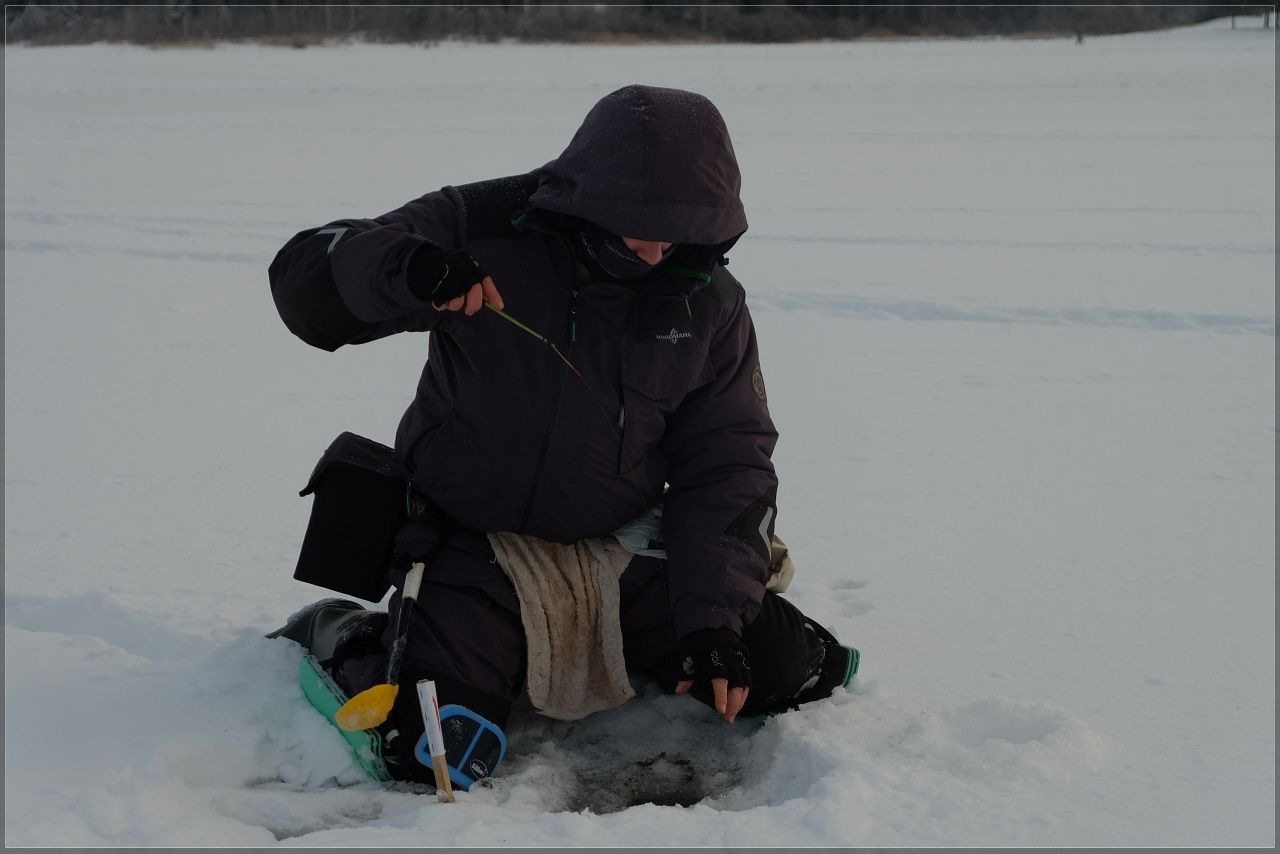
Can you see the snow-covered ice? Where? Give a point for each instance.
(1016, 302)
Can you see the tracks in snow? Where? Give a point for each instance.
(850, 305)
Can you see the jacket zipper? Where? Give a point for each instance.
(572, 334)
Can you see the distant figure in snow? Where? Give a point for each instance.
(588, 451)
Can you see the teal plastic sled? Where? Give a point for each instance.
(326, 697)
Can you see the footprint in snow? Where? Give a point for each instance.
(1002, 739)
(845, 593)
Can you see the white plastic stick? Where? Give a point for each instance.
(435, 738)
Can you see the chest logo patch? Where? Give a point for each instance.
(674, 336)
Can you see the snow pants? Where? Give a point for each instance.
(465, 633)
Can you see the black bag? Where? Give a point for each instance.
(359, 507)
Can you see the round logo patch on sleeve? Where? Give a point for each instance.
(757, 382)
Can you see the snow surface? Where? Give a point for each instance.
(1016, 300)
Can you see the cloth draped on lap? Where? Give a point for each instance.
(569, 603)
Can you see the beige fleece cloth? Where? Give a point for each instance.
(569, 603)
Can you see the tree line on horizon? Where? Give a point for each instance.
(300, 25)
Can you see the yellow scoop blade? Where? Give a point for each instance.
(367, 709)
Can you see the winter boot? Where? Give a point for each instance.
(839, 664)
(334, 629)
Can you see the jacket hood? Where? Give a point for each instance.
(650, 163)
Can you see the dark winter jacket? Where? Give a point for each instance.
(502, 435)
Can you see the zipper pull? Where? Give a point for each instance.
(573, 318)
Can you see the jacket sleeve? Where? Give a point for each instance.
(347, 282)
(719, 510)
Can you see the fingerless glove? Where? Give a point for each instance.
(708, 654)
(438, 276)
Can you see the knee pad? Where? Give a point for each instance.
(474, 745)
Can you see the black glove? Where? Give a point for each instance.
(708, 654)
(439, 276)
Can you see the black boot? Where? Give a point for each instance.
(334, 629)
(839, 664)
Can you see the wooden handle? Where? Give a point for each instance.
(444, 786)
